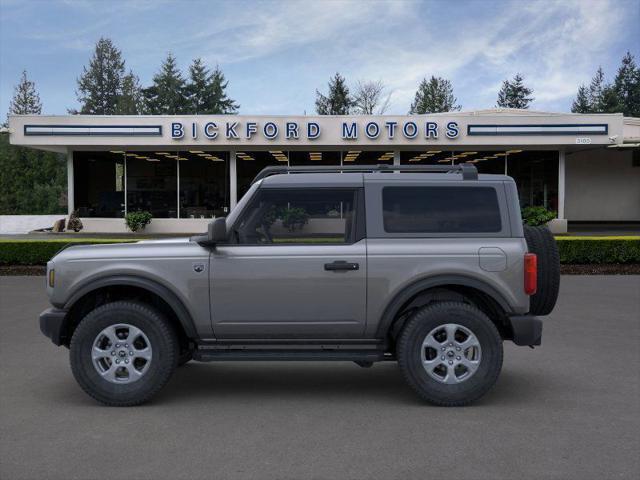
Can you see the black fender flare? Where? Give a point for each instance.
(409, 291)
(183, 315)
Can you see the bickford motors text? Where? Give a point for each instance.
(349, 130)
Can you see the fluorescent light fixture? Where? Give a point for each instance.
(116, 151)
(152, 160)
(434, 151)
(444, 160)
(162, 153)
(514, 151)
(196, 151)
(131, 154)
(141, 157)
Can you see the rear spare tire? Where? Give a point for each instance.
(541, 242)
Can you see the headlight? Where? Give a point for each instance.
(52, 277)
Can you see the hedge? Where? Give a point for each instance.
(39, 252)
(598, 250)
(573, 250)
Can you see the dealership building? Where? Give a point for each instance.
(186, 170)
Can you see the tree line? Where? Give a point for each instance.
(106, 88)
(435, 95)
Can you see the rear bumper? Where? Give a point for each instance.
(52, 323)
(527, 330)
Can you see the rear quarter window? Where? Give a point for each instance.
(432, 209)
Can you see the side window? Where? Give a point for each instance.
(441, 210)
(297, 216)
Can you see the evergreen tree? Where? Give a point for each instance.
(25, 99)
(433, 96)
(219, 102)
(100, 85)
(130, 101)
(627, 86)
(338, 101)
(206, 91)
(167, 95)
(514, 94)
(196, 89)
(596, 91)
(581, 104)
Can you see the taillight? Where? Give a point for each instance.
(530, 273)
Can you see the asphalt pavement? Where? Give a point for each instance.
(567, 410)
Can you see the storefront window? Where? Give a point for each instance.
(99, 184)
(314, 158)
(536, 174)
(204, 179)
(249, 164)
(367, 157)
(485, 161)
(152, 183)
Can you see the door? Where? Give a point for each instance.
(294, 267)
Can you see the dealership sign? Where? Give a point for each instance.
(293, 130)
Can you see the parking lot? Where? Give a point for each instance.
(569, 409)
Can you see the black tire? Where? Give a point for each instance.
(163, 342)
(409, 353)
(541, 242)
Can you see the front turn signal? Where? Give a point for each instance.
(52, 277)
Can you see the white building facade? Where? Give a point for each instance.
(186, 170)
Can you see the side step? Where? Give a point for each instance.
(291, 355)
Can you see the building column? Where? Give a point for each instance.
(70, 189)
(561, 177)
(396, 159)
(233, 180)
(559, 225)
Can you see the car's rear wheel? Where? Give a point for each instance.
(450, 353)
(123, 353)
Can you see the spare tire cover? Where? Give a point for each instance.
(541, 242)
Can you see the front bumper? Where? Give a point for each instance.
(527, 330)
(53, 323)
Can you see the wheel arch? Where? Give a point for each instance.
(106, 289)
(444, 288)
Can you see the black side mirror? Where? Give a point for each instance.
(218, 230)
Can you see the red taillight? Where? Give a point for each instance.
(530, 273)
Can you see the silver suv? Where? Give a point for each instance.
(429, 266)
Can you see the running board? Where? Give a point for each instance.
(212, 355)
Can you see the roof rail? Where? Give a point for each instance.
(468, 170)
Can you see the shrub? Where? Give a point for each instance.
(137, 220)
(588, 250)
(39, 252)
(74, 222)
(535, 216)
(294, 217)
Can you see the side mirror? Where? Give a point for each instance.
(217, 232)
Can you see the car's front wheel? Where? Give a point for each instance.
(123, 353)
(450, 353)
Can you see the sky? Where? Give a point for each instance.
(275, 54)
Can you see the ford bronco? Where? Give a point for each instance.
(429, 266)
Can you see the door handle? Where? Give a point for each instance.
(341, 266)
